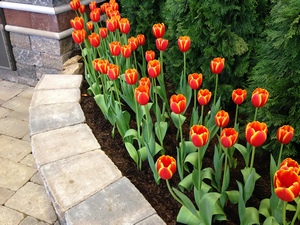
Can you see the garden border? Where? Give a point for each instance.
(82, 182)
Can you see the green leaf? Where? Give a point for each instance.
(178, 119)
(264, 207)
(233, 196)
(209, 207)
(252, 216)
(132, 152)
(186, 217)
(187, 182)
(143, 153)
(190, 147)
(192, 158)
(161, 130)
(131, 132)
(243, 150)
(186, 201)
(270, 221)
(250, 178)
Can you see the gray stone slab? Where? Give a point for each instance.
(13, 148)
(20, 40)
(59, 82)
(29, 161)
(49, 117)
(13, 85)
(44, 97)
(4, 111)
(19, 115)
(27, 93)
(13, 127)
(9, 216)
(32, 200)
(14, 175)
(5, 194)
(154, 219)
(37, 179)
(18, 104)
(7, 93)
(62, 143)
(119, 203)
(72, 180)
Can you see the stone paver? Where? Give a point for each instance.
(31, 221)
(4, 111)
(5, 194)
(17, 104)
(29, 161)
(7, 93)
(32, 200)
(13, 127)
(13, 149)
(27, 93)
(9, 216)
(59, 82)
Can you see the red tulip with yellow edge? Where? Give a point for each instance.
(222, 118)
(95, 15)
(199, 135)
(203, 96)
(103, 32)
(149, 55)
(290, 164)
(256, 133)
(112, 24)
(90, 25)
(131, 76)
(239, 96)
(141, 94)
(184, 43)
(228, 137)
(101, 65)
(133, 42)
(77, 23)
(79, 36)
(161, 44)
(158, 30)
(178, 103)
(259, 97)
(104, 6)
(142, 39)
(285, 134)
(93, 5)
(81, 9)
(153, 68)
(195, 80)
(217, 65)
(145, 81)
(115, 48)
(126, 51)
(113, 71)
(75, 4)
(114, 5)
(166, 167)
(94, 40)
(124, 25)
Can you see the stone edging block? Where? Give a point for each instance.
(82, 182)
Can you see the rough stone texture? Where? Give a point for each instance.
(13, 127)
(27, 57)
(5, 194)
(29, 161)
(32, 221)
(20, 40)
(17, 104)
(32, 200)
(7, 93)
(40, 71)
(3, 111)
(9, 216)
(48, 117)
(37, 179)
(26, 71)
(59, 82)
(54, 61)
(49, 146)
(119, 203)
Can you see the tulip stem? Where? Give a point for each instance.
(184, 68)
(279, 157)
(182, 148)
(173, 194)
(195, 98)
(284, 212)
(216, 87)
(201, 116)
(252, 157)
(296, 213)
(137, 120)
(255, 115)
(236, 114)
(225, 169)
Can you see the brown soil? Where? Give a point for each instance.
(158, 195)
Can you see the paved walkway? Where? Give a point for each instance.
(23, 199)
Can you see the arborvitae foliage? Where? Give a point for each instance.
(219, 28)
(278, 71)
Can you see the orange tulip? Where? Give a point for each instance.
(103, 32)
(75, 4)
(166, 166)
(141, 38)
(178, 103)
(203, 96)
(149, 55)
(90, 25)
(259, 97)
(286, 184)
(153, 68)
(133, 42)
(114, 5)
(113, 71)
(290, 164)
(184, 43)
(141, 94)
(195, 80)
(131, 76)
(256, 133)
(124, 25)
(239, 96)
(93, 5)
(285, 134)
(95, 15)
(81, 9)
(161, 44)
(104, 6)
(158, 30)
(112, 24)
(94, 40)
(79, 36)
(228, 137)
(222, 118)
(126, 51)
(217, 65)
(115, 48)
(101, 65)
(199, 135)
(145, 81)
(77, 23)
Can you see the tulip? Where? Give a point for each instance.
(161, 44)
(90, 25)
(77, 23)
(79, 36)
(95, 15)
(228, 137)
(124, 25)
(285, 134)
(133, 42)
(94, 40)
(195, 80)
(93, 5)
(114, 5)
(166, 166)
(81, 9)
(203, 96)
(113, 71)
(153, 68)
(141, 38)
(239, 96)
(104, 6)
(75, 4)
(103, 32)
(126, 51)
(101, 65)
(259, 97)
(178, 103)
(113, 13)
(149, 55)
(222, 118)
(112, 24)
(184, 43)
(142, 94)
(131, 76)
(217, 65)
(115, 48)
(290, 164)
(199, 135)
(256, 133)
(158, 30)
(145, 81)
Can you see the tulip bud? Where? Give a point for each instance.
(115, 48)
(75, 4)
(166, 166)
(79, 36)
(153, 68)
(259, 97)
(239, 96)
(217, 65)
(141, 94)
(161, 44)
(124, 25)
(95, 15)
(131, 76)
(126, 51)
(145, 81)
(103, 32)
(134, 43)
(222, 118)
(285, 134)
(256, 133)
(228, 137)
(199, 135)
(184, 43)
(77, 23)
(94, 40)
(203, 96)
(158, 30)
(195, 80)
(113, 71)
(178, 103)
(149, 55)
(141, 38)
